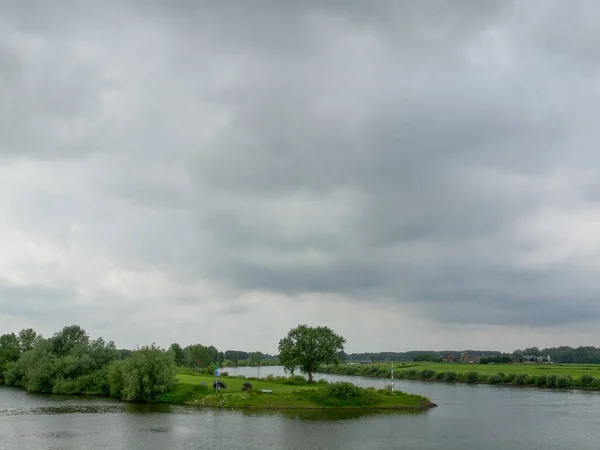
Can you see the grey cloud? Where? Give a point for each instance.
(376, 150)
(35, 300)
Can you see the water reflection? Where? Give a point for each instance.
(321, 415)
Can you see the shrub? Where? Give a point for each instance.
(586, 380)
(412, 373)
(521, 378)
(471, 377)
(450, 376)
(551, 380)
(510, 378)
(542, 380)
(501, 375)
(483, 378)
(427, 374)
(440, 375)
(564, 381)
(494, 379)
(146, 374)
(342, 393)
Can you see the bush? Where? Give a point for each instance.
(541, 381)
(450, 376)
(494, 379)
(510, 378)
(427, 374)
(551, 380)
(342, 394)
(471, 377)
(482, 378)
(564, 381)
(144, 376)
(440, 375)
(586, 380)
(521, 379)
(411, 373)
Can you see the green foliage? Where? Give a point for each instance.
(471, 377)
(494, 379)
(521, 378)
(9, 352)
(551, 380)
(501, 359)
(307, 348)
(564, 381)
(450, 376)
(427, 374)
(295, 380)
(28, 339)
(144, 376)
(510, 378)
(342, 394)
(586, 380)
(541, 380)
(427, 357)
(178, 354)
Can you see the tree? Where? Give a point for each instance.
(9, 352)
(28, 339)
(178, 354)
(144, 376)
(307, 348)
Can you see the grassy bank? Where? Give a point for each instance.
(288, 393)
(540, 375)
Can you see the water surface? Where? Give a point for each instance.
(468, 417)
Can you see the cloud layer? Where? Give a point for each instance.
(219, 173)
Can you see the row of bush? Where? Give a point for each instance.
(522, 379)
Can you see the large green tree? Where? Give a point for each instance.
(144, 376)
(307, 348)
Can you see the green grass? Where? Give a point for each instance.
(575, 370)
(284, 396)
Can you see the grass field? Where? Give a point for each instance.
(284, 396)
(575, 370)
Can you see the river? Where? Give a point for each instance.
(468, 417)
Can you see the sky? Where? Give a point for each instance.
(414, 175)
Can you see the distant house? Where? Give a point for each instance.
(449, 358)
(532, 359)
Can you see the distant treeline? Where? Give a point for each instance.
(560, 355)
(411, 355)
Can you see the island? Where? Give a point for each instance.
(286, 393)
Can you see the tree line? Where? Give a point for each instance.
(559, 355)
(71, 362)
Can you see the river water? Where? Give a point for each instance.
(468, 417)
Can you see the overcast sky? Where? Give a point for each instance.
(413, 174)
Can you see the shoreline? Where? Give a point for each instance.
(520, 379)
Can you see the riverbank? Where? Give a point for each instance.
(564, 376)
(287, 393)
